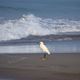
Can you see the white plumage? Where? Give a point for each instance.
(44, 48)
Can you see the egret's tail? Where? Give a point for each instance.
(48, 52)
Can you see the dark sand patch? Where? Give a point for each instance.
(31, 67)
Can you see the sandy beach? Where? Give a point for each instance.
(32, 67)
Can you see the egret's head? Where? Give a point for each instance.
(41, 42)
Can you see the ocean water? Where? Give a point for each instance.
(20, 19)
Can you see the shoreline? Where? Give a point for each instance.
(32, 67)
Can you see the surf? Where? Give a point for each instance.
(37, 26)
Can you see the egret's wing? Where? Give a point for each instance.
(45, 49)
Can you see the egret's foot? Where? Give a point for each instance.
(44, 59)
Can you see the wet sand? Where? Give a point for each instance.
(32, 67)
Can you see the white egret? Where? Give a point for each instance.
(44, 48)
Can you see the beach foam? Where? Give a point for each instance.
(33, 25)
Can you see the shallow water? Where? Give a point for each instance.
(63, 46)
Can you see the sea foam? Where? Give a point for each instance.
(33, 25)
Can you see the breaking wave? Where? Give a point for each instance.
(33, 25)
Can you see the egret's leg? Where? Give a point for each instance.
(45, 55)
